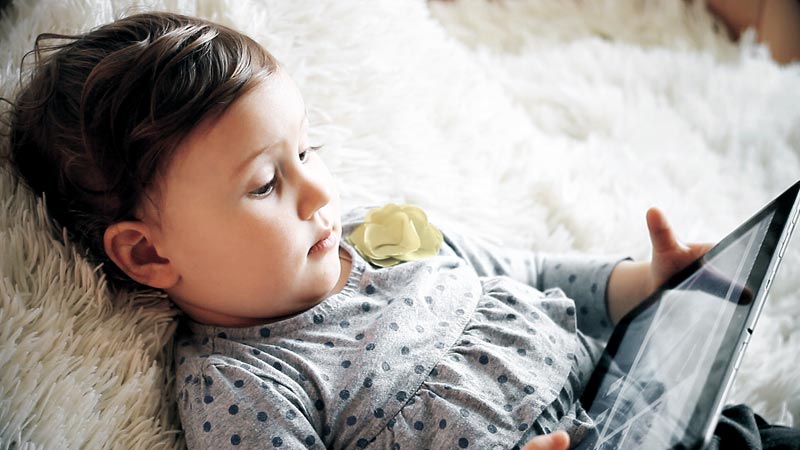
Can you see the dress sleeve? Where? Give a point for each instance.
(230, 407)
(582, 277)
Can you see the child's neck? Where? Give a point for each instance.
(344, 274)
(210, 318)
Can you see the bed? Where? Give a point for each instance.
(545, 124)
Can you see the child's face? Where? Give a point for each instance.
(243, 202)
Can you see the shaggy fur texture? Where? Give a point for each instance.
(545, 124)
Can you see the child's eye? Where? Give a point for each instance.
(264, 190)
(304, 153)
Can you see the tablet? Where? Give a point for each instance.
(664, 374)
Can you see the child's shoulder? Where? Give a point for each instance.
(216, 357)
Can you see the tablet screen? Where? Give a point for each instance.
(661, 374)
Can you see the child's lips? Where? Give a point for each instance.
(325, 243)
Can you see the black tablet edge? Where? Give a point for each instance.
(783, 205)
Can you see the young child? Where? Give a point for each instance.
(175, 150)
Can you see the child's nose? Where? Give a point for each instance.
(313, 193)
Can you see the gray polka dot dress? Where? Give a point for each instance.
(476, 348)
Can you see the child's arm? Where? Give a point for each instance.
(582, 277)
(240, 406)
(631, 282)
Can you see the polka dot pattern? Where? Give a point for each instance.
(456, 351)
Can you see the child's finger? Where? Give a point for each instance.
(661, 234)
(558, 440)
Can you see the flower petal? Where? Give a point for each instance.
(381, 215)
(430, 243)
(356, 238)
(416, 215)
(388, 262)
(396, 233)
(394, 237)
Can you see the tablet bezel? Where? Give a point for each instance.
(785, 208)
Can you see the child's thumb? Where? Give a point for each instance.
(558, 440)
(661, 235)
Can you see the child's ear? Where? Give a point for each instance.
(129, 244)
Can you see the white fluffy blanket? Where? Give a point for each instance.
(546, 124)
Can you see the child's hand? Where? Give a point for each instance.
(558, 440)
(633, 281)
(669, 254)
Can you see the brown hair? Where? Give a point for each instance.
(100, 116)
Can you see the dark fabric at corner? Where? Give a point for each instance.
(740, 428)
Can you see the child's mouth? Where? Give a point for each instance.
(324, 244)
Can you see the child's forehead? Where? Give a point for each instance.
(270, 102)
(268, 113)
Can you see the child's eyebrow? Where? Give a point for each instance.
(247, 161)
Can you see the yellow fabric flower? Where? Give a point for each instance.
(396, 233)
